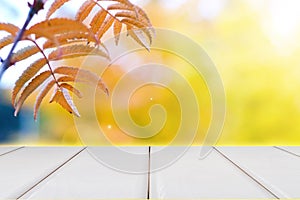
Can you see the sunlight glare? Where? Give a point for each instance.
(282, 23)
(175, 4)
(210, 9)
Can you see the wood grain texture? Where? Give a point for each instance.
(7, 150)
(291, 149)
(22, 169)
(212, 177)
(279, 171)
(86, 178)
(79, 173)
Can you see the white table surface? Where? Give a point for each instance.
(227, 172)
(277, 170)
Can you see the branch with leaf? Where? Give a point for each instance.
(65, 39)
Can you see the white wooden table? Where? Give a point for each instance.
(73, 173)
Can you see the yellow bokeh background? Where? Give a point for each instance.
(255, 46)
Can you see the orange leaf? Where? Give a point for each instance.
(72, 89)
(69, 38)
(85, 10)
(26, 76)
(73, 51)
(139, 25)
(41, 96)
(63, 98)
(10, 28)
(6, 41)
(83, 75)
(56, 26)
(126, 14)
(24, 53)
(105, 26)
(138, 36)
(119, 6)
(55, 6)
(142, 16)
(98, 20)
(36, 82)
(117, 31)
(66, 79)
(126, 2)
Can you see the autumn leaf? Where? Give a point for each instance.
(71, 89)
(63, 98)
(56, 26)
(83, 76)
(65, 38)
(24, 53)
(10, 28)
(117, 31)
(55, 6)
(138, 37)
(85, 10)
(26, 76)
(41, 97)
(36, 82)
(74, 51)
(98, 20)
(6, 41)
(69, 39)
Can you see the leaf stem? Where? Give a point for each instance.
(48, 63)
(37, 5)
(96, 2)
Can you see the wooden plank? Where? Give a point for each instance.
(22, 169)
(212, 177)
(5, 150)
(291, 149)
(87, 178)
(277, 170)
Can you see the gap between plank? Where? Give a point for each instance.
(52, 172)
(11, 151)
(149, 173)
(286, 151)
(245, 172)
